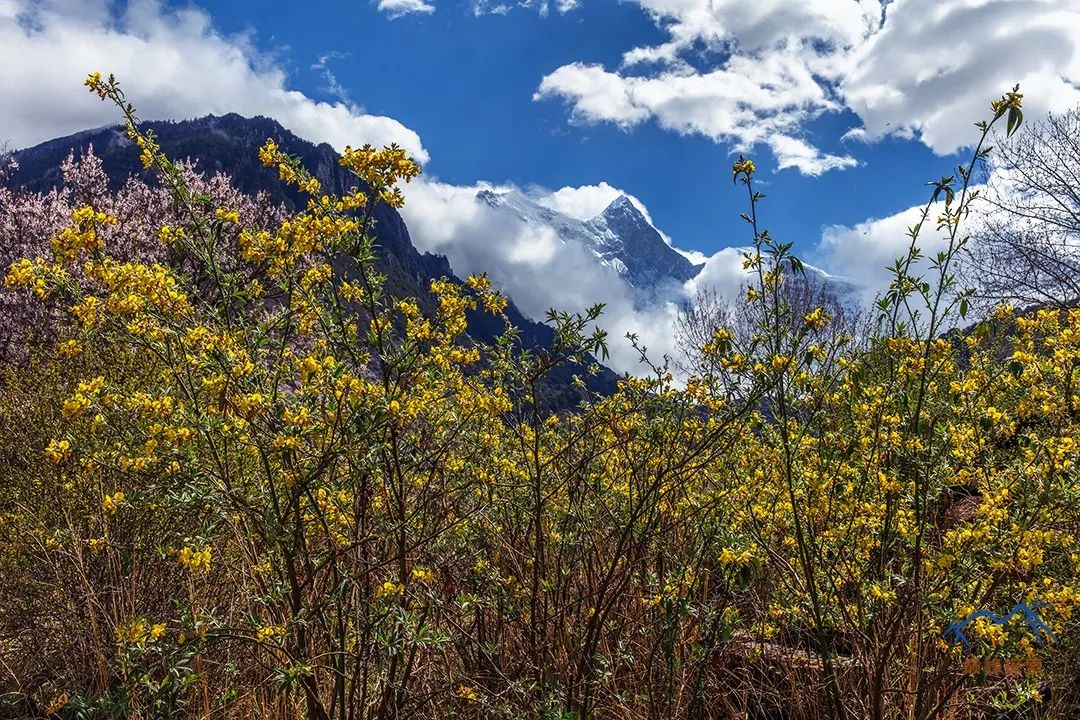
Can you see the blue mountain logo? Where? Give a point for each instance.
(1035, 624)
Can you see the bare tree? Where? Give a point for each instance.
(1027, 247)
(710, 310)
(695, 324)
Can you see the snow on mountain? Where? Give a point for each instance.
(620, 237)
(848, 293)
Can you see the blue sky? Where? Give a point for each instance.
(466, 83)
(848, 107)
(910, 76)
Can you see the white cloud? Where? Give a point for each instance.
(750, 28)
(172, 64)
(695, 256)
(585, 202)
(723, 272)
(333, 85)
(775, 65)
(749, 73)
(743, 103)
(542, 7)
(796, 153)
(400, 8)
(932, 68)
(867, 249)
(537, 269)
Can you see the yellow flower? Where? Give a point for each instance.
(389, 589)
(58, 451)
(479, 283)
(1013, 100)
(93, 81)
(195, 560)
(743, 166)
(817, 319)
(780, 362)
(231, 216)
(265, 632)
(268, 153)
(69, 348)
(75, 406)
(422, 575)
(139, 632)
(112, 502)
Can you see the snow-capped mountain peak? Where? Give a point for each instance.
(623, 240)
(620, 237)
(622, 204)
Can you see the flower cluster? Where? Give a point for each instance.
(340, 501)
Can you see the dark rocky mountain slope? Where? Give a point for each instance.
(229, 144)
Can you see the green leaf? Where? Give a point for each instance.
(1016, 119)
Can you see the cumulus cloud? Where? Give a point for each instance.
(539, 270)
(743, 103)
(399, 8)
(931, 69)
(723, 273)
(867, 249)
(758, 27)
(774, 67)
(917, 68)
(172, 63)
(529, 261)
(585, 202)
(796, 153)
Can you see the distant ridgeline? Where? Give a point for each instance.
(229, 144)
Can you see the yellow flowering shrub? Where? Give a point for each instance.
(251, 484)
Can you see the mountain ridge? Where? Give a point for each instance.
(229, 144)
(620, 237)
